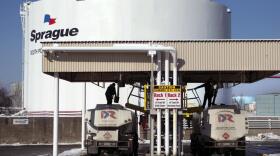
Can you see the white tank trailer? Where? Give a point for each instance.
(110, 20)
(111, 129)
(222, 129)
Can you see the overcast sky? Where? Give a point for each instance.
(251, 19)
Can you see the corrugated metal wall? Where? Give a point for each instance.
(97, 62)
(204, 55)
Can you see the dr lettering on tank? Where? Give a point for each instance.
(53, 34)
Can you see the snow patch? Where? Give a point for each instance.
(72, 152)
(264, 137)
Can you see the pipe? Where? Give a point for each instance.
(115, 48)
(158, 110)
(152, 53)
(83, 117)
(55, 116)
(25, 52)
(166, 63)
(175, 110)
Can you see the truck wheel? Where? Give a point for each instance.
(126, 153)
(238, 152)
(203, 151)
(135, 145)
(98, 153)
(227, 153)
(194, 144)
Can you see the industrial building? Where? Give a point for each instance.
(70, 49)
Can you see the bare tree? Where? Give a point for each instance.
(16, 94)
(5, 100)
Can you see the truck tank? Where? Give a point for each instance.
(222, 130)
(111, 129)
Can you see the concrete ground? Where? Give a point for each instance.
(32, 150)
(253, 149)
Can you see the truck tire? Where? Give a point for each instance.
(98, 153)
(193, 145)
(238, 152)
(135, 145)
(227, 153)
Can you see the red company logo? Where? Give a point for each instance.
(107, 135)
(107, 114)
(225, 117)
(48, 19)
(226, 135)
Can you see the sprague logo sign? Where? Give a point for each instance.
(52, 34)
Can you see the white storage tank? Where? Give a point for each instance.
(114, 20)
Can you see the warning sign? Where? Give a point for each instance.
(167, 97)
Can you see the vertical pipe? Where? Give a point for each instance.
(151, 106)
(158, 110)
(166, 63)
(23, 42)
(83, 117)
(174, 110)
(25, 86)
(55, 116)
(138, 114)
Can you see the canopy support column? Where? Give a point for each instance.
(55, 116)
(83, 117)
(166, 63)
(158, 110)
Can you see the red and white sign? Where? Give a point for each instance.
(107, 135)
(167, 97)
(226, 135)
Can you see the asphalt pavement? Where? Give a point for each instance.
(252, 149)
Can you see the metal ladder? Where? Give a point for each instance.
(195, 96)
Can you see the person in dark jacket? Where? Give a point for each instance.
(217, 85)
(209, 91)
(110, 93)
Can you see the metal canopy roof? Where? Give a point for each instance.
(198, 60)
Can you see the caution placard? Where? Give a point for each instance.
(167, 97)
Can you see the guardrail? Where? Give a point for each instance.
(255, 122)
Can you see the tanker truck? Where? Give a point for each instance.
(111, 129)
(219, 129)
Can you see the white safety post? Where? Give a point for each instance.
(175, 110)
(152, 53)
(158, 110)
(83, 116)
(166, 63)
(55, 116)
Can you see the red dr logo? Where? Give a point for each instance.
(107, 114)
(225, 117)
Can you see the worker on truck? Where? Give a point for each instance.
(218, 85)
(209, 91)
(110, 93)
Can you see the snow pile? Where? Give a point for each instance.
(72, 152)
(263, 137)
